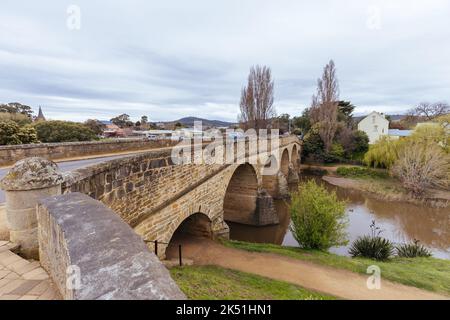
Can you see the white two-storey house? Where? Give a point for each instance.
(374, 125)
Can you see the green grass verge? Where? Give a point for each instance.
(361, 172)
(425, 273)
(215, 283)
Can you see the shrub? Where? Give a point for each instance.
(337, 151)
(360, 172)
(318, 217)
(421, 166)
(372, 246)
(63, 131)
(12, 134)
(354, 142)
(19, 118)
(412, 250)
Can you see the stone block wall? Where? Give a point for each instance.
(136, 185)
(110, 260)
(55, 151)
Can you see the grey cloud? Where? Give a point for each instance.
(178, 58)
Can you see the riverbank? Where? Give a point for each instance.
(216, 283)
(425, 273)
(389, 190)
(332, 281)
(379, 185)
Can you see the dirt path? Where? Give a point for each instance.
(339, 283)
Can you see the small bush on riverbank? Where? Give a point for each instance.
(318, 217)
(372, 246)
(360, 172)
(412, 250)
(421, 166)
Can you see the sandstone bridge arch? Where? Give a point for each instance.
(155, 197)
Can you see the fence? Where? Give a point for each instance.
(156, 242)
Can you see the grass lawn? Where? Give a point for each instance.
(211, 283)
(425, 273)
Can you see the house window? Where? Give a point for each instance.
(382, 130)
(374, 119)
(375, 128)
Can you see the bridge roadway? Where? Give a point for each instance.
(66, 166)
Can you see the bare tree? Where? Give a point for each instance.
(324, 107)
(421, 166)
(257, 99)
(430, 111)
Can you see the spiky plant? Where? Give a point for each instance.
(372, 246)
(412, 250)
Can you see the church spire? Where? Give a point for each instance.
(40, 116)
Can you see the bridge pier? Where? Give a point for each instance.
(293, 176)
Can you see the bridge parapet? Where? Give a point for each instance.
(91, 254)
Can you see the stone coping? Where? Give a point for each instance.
(76, 143)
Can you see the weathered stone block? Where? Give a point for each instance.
(113, 261)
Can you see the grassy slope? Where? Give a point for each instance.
(210, 283)
(425, 273)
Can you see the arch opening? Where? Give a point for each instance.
(295, 157)
(196, 226)
(285, 162)
(241, 195)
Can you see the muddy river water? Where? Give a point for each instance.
(401, 222)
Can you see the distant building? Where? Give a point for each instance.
(112, 130)
(40, 116)
(374, 125)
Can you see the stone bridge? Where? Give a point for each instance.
(155, 196)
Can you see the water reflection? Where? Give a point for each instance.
(401, 222)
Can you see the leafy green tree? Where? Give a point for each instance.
(15, 107)
(27, 134)
(313, 147)
(63, 131)
(318, 217)
(122, 121)
(345, 113)
(144, 120)
(303, 122)
(434, 133)
(12, 134)
(383, 153)
(337, 151)
(96, 126)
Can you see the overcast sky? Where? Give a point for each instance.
(170, 59)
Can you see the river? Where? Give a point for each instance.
(401, 222)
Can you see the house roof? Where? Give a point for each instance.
(399, 133)
(381, 115)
